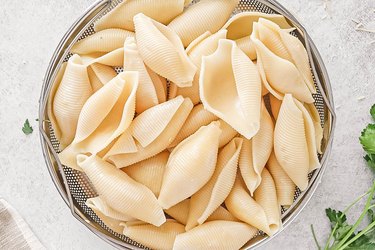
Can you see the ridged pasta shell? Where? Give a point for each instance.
(241, 25)
(198, 117)
(114, 58)
(124, 144)
(122, 15)
(255, 152)
(266, 196)
(172, 90)
(149, 172)
(237, 98)
(206, 45)
(241, 205)
(190, 165)
(228, 133)
(99, 204)
(180, 211)
(317, 125)
(160, 85)
(207, 15)
(96, 84)
(246, 45)
(146, 93)
(187, 2)
(285, 188)
(204, 202)
(100, 75)
(102, 41)
(158, 145)
(233, 235)
(158, 238)
(290, 143)
(163, 52)
(221, 214)
(279, 75)
(71, 95)
(275, 106)
(122, 192)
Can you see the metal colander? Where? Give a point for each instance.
(74, 186)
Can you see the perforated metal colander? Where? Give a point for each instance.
(74, 186)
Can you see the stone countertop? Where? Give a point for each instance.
(31, 30)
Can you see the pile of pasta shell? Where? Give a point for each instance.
(205, 134)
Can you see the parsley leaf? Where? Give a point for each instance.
(372, 111)
(367, 139)
(370, 159)
(27, 129)
(335, 217)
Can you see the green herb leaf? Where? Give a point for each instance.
(27, 129)
(335, 217)
(372, 111)
(367, 139)
(370, 159)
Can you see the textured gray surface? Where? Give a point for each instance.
(30, 31)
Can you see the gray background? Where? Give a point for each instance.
(29, 33)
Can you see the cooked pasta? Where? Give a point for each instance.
(113, 224)
(317, 125)
(240, 86)
(123, 145)
(184, 168)
(227, 133)
(99, 204)
(113, 58)
(207, 15)
(160, 85)
(180, 211)
(246, 45)
(275, 106)
(99, 75)
(172, 90)
(221, 214)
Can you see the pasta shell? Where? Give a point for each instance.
(190, 165)
(266, 196)
(122, 15)
(255, 152)
(158, 145)
(196, 41)
(241, 25)
(246, 45)
(237, 99)
(100, 75)
(180, 211)
(285, 188)
(114, 58)
(290, 47)
(172, 91)
(291, 148)
(279, 76)
(146, 93)
(317, 125)
(221, 214)
(71, 95)
(98, 204)
(228, 133)
(163, 52)
(204, 202)
(198, 117)
(275, 106)
(153, 237)
(233, 236)
(187, 2)
(240, 204)
(208, 15)
(102, 41)
(149, 172)
(124, 144)
(113, 224)
(160, 85)
(122, 192)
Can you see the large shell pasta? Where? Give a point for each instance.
(102, 41)
(204, 202)
(221, 214)
(246, 45)
(158, 145)
(255, 152)
(160, 85)
(207, 15)
(180, 211)
(113, 58)
(71, 95)
(190, 165)
(146, 93)
(232, 235)
(100, 75)
(275, 106)
(163, 52)
(124, 144)
(240, 87)
(317, 125)
(99, 204)
(227, 133)
(149, 172)
(285, 188)
(122, 15)
(121, 191)
(291, 148)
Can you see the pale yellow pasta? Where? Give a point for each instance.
(198, 117)
(160, 85)
(221, 214)
(204, 202)
(158, 238)
(113, 224)
(121, 191)
(100, 75)
(237, 99)
(266, 196)
(96, 84)
(71, 95)
(291, 147)
(99, 204)
(290, 46)
(124, 144)
(149, 172)
(196, 41)
(163, 52)
(246, 45)
(240, 204)
(218, 235)
(172, 90)
(255, 152)
(187, 2)
(285, 188)
(122, 15)
(158, 145)
(275, 106)
(228, 133)
(180, 211)
(104, 117)
(279, 76)
(113, 58)
(190, 165)
(317, 125)
(207, 15)
(241, 25)
(102, 41)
